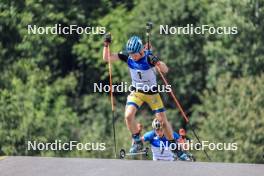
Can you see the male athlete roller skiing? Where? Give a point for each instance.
(141, 64)
(159, 143)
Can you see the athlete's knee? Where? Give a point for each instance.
(130, 113)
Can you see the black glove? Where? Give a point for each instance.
(107, 39)
(153, 59)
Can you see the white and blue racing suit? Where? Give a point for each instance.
(159, 151)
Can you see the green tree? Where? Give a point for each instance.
(33, 109)
(240, 54)
(233, 113)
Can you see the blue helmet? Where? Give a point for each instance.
(134, 45)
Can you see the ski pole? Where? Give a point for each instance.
(173, 97)
(182, 112)
(148, 29)
(112, 98)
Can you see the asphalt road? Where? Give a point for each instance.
(45, 166)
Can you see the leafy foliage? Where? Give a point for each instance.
(33, 109)
(46, 82)
(233, 114)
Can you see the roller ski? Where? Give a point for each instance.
(181, 155)
(132, 155)
(136, 149)
(185, 157)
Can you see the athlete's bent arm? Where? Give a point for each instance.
(163, 67)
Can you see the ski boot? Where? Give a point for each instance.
(137, 144)
(179, 153)
(184, 157)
